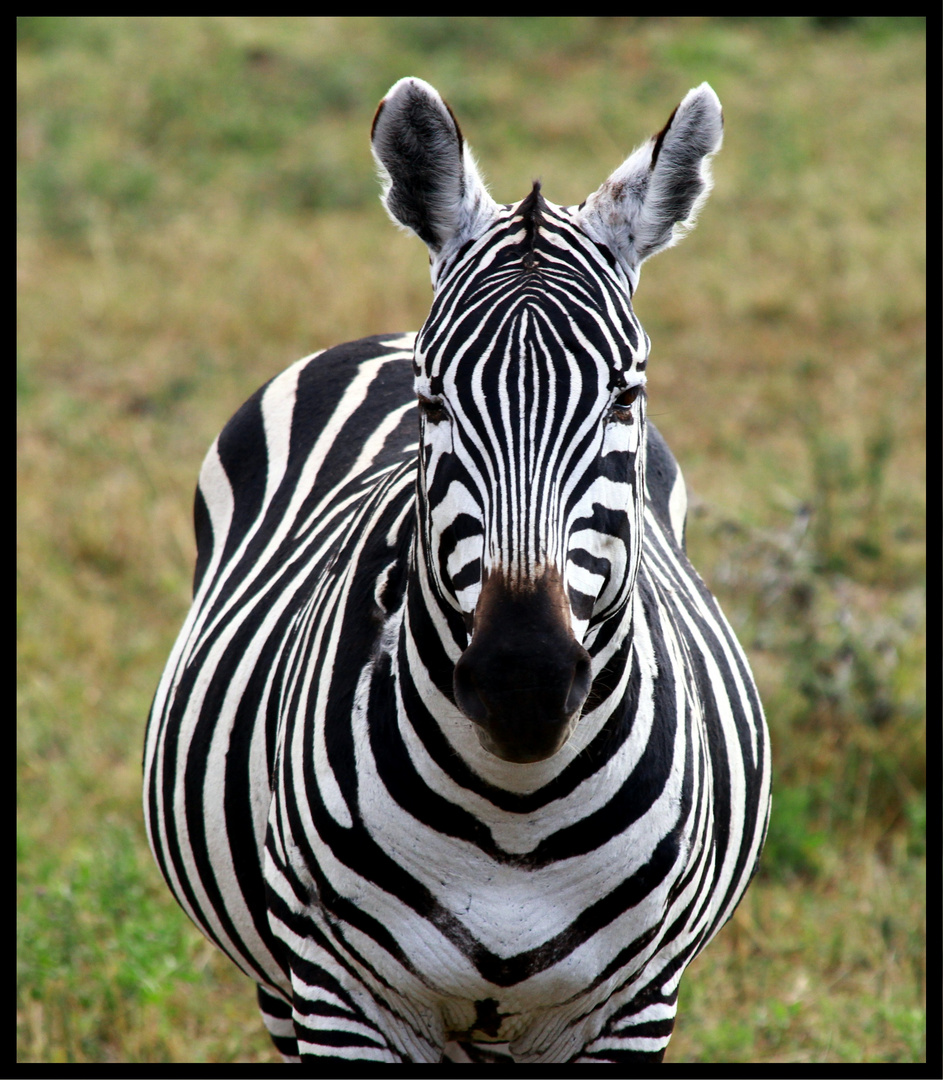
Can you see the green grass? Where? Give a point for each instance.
(197, 209)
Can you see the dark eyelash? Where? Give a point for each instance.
(622, 406)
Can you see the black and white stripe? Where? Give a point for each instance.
(455, 754)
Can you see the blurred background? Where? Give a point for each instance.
(197, 208)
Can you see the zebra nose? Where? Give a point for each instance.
(523, 693)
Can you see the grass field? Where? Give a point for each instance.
(197, 209)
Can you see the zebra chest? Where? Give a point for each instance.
(465, 936)
(464, 908)
(465, 933)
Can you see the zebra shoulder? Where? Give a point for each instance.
(292, 423)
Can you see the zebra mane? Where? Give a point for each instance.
(531, 215)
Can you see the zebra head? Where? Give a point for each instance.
(530, 374)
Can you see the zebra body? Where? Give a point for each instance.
(455, 753)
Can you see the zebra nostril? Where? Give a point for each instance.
(582, 681)
(466, 692)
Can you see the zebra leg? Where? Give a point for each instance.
(637, 1033)
(276, 1012)
(329, 1023)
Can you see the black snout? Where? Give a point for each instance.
(524, 677)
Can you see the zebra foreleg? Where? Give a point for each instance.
(276, 1012)
(637, 1033)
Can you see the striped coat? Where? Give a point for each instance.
(319, 790)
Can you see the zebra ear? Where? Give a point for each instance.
(430, 181)
(663, 184)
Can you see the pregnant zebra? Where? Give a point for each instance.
(455, 755)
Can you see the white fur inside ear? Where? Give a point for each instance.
(431, 183)
(655, 195)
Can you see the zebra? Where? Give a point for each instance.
(455, 754)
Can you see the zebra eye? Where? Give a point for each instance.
(433, 409)
(622, 406)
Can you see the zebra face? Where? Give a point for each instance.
(529, 376)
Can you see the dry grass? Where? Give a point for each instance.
(197, 209)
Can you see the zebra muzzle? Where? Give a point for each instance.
(524, 678)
